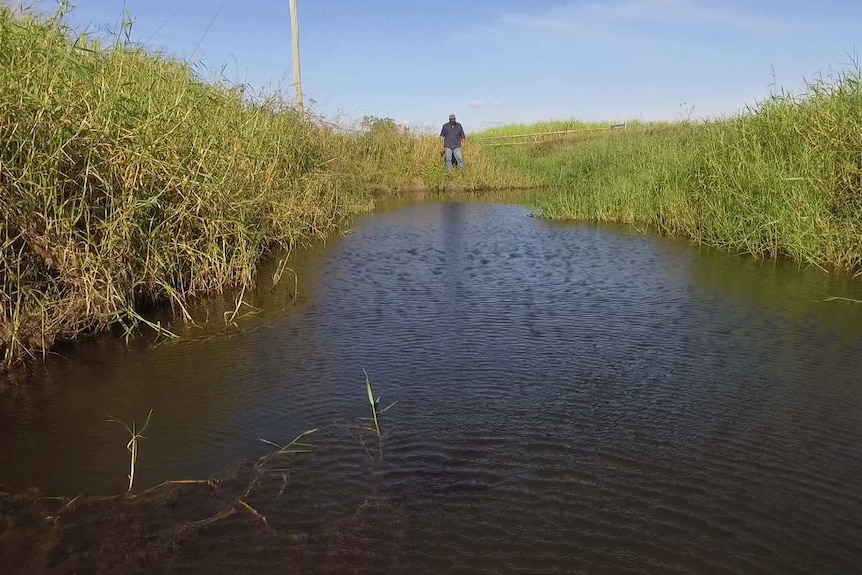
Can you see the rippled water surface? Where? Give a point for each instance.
(571, 399)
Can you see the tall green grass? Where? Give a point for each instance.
(126, 180)
(783, 179)
(631, 176)
(786, 180)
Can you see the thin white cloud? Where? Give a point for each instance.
(702, 109)
(486, 104)
(645, 59)
(616, 18)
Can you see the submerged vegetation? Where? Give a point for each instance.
(145, 530)
(782, 180)
(127, 181)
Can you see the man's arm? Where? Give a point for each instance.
(463, 135)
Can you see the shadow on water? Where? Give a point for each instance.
(571, 397)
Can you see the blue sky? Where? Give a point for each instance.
(502, 61)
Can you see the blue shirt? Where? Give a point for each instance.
(452, 135)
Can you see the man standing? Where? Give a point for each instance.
(452, 136)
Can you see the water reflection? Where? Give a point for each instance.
(571, 397)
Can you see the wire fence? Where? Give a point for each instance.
(540, 137)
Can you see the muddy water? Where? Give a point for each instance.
(571, 399)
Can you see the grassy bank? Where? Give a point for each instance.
(127, 181)
(389, 158)
(783, 180)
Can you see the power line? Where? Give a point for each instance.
(171, 17)
(208, 29)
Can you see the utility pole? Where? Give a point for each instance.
(297, 71)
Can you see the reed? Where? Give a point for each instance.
(376, 411)
(263, 467)
(291, 448)
(135, 435)
(126, 181)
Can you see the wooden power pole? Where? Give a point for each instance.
(297, 70)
